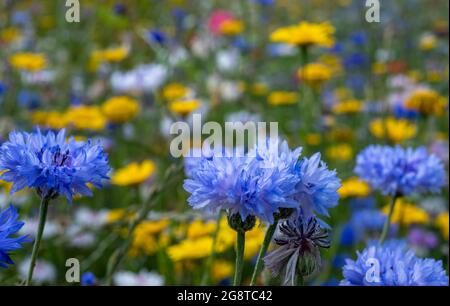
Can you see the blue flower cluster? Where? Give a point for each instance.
(9, 225)
(395, 170)
(267, 178)
(52, 165)
(392, 265)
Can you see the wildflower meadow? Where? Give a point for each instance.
(224, 143)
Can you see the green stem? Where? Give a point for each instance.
(207, 274)
(300, 280)
(262, 252)
(42, 217)
(240, 246)
(387, 223)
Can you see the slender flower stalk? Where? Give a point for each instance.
(262, 252)
(387, 222)
(42, 218)
(240, 247)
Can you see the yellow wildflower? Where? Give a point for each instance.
(398, 130)
(175, 91)
(427, 102)
(348, 107)
(198, 228)
(222, 269)
(134, 173)
(407, 213)
(120, 109)
(442, 222)
(313, 139)
(428, 42)
(259, 89)
(9, 35)
(144, 240)
(315, 74)
(184, 107)
(305, 34)
(282, 98)
(53, 119)
(86, 117)
(192, 249)
(354, 187)
(379, 68)
(341, 152)
(28, 61)
(119, 214)
(231, 27)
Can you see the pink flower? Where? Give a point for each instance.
(216, 19)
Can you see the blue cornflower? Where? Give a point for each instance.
(392, 265)
(317, 190)
(358, 38)
(398, 171)
(368, 220)
(257, 184)
(9, 225)
(52, 165)
(157, 36)
(28, 99)
(267, 178)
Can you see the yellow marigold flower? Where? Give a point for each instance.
(144, 240)
(28, 61)
(442, 222)
(315, 74)
(333, 62)
(119, 214)
(259, 89)
(198, 228)
(222, 269)
(184, 107)
(175, 91)
(348, 107)
(193, 249)
(398, 130)
(354, 187)
(112, 55)
(282, 98)
(231, 27)
(305, 34)
(134, 173)
(10, 35)
(428, 42)
(54, 120)
(341, 152)
(313, 139)
(427, 102)
(86, 117)
(407, 213)
(379, 68)
(120, 109)
(253, 240)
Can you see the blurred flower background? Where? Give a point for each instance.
(367, 103)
